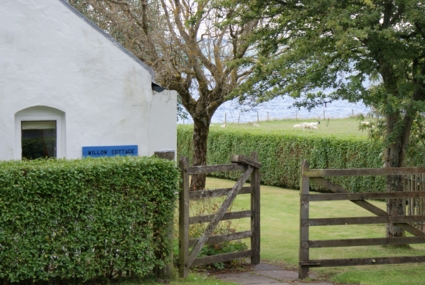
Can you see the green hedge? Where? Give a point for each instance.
(281, 154)
(84, 219)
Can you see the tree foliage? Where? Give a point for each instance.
(196, 47)
(341, 46)
(370, 50)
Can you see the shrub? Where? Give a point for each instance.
(84, 219)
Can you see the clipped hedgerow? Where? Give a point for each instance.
(281, 154)
(84, 219)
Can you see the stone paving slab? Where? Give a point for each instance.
(247, 278)
(285, 275)
(267, 274)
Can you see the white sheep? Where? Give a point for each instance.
(223, 126)
(312, 125)
(298, 126)
(255, 125)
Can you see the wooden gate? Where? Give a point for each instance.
(381, 216)
(415, 206)
(187, 257)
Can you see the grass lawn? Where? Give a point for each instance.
(280, 234)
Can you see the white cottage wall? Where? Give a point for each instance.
(50, 56)
(163, 136)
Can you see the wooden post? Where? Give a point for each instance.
(184, 218)
(168, 269)
(268, 116)
(421, 201)
(255, 208)
(258, 117)
(239, 117)
(225, 114)
(296, 115)
(165, 154)
(304, 254)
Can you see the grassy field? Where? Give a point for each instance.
(331, 127)
(280, 234)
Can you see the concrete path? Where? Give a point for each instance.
(267, 274)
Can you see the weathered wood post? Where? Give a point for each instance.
(304, 254)
(184, 218)
(165, 154)
(167, 270)
(255, 208)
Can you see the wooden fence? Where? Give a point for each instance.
(415, 206)
(381, 216)
(190, 248)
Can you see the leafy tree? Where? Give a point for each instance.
(343, 46)
(195, 47)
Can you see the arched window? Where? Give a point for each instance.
(40, 133)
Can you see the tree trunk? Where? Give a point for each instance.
(200, 139)
(394, 157)
(395, 207)
(393, 183)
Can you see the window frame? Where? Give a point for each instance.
(60, 142)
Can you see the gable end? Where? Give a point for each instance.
(109, 37)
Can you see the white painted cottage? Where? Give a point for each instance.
(67, 89)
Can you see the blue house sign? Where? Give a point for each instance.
(98, 151)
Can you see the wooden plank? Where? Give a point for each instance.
(246, 160)
(220, 213)
(224, 238)
(216, 168)
(366, 205)
(255, 218)
(200, 194)
(364, 261)
(365, 242)
(304, 253)
(362, 220)
(363, 196)
(184, 218)
(365, 171)
(227, 216)
(221, 257)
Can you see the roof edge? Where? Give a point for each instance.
(157, 88)
(107, 36)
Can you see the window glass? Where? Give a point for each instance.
(38, 139)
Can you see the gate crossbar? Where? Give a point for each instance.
(250, 166)
(220, 213)
(358, 198)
